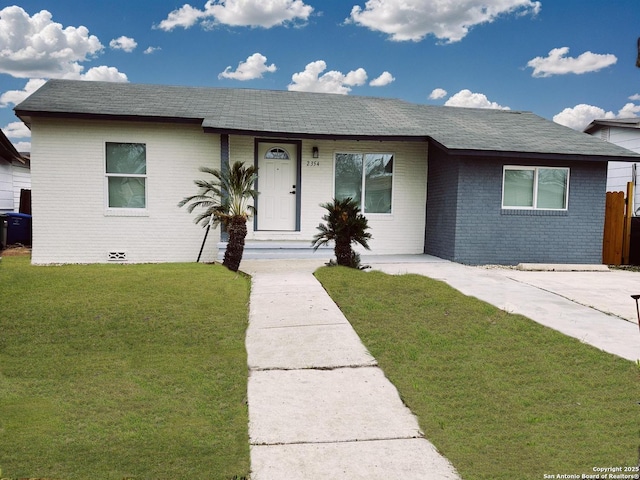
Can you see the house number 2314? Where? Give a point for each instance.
(313, 163)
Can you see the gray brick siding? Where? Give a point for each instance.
(442, 193)
(486, 234)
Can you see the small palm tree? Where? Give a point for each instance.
(345, 226)
(226, 200)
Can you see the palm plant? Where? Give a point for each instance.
(345, 226)
(226, 201)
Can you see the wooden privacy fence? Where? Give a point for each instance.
(617, 228)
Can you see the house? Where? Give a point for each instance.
(14, 175)
(626, 133)
(110, 162)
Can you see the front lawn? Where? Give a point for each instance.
(122, 371)
(501, 396)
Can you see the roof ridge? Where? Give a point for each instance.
(294, 114)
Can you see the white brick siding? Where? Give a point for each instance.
(71, 223)
(402, 232)
(68, 192)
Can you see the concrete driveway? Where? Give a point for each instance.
(595, 307)
(609, 292)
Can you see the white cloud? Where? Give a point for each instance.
(258, 13)
(356, 77)
(151, 50)
(437, 93)
(629, 110)
(22, 146)
(16, 96)
(465, 98)
(252, 68)
(100, 74)
(384, 79)
(35, 47)
(38, 47)
(16, 130)
(333, 81)
(635, 97)
(580, 116)
(447, 20)
(557, 63)
(239, 13)
(123, 43)
(185, 17)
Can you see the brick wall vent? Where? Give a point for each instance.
(117, 256)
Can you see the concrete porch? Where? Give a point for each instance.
(279, 249)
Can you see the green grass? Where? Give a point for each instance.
(114, 371)
(499, 395)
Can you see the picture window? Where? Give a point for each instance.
(535, 188)
(367, 178)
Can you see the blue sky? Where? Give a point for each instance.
(566, 60)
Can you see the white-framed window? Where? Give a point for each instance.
(535, 188)
(126, 175)
(367, 178)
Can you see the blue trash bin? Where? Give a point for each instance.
(18, 228)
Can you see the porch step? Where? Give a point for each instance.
(273, 249)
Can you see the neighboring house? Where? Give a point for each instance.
(14, 175)
(624, 132)
(110, 162)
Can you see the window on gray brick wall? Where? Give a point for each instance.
(126, 172)
(367, 178)
(535, 188)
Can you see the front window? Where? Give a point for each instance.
(535, 188)
(367, 178)
(126, 171)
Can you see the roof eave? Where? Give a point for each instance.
(27, 115)
(573, 157)
(597, 124)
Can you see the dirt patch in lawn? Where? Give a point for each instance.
(15, 250)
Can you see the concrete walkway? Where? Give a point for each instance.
(319, 407)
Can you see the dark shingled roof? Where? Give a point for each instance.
(8, 152)
(316, 115)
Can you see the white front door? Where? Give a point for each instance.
(277, 172)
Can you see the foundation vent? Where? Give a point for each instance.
(117, 256)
